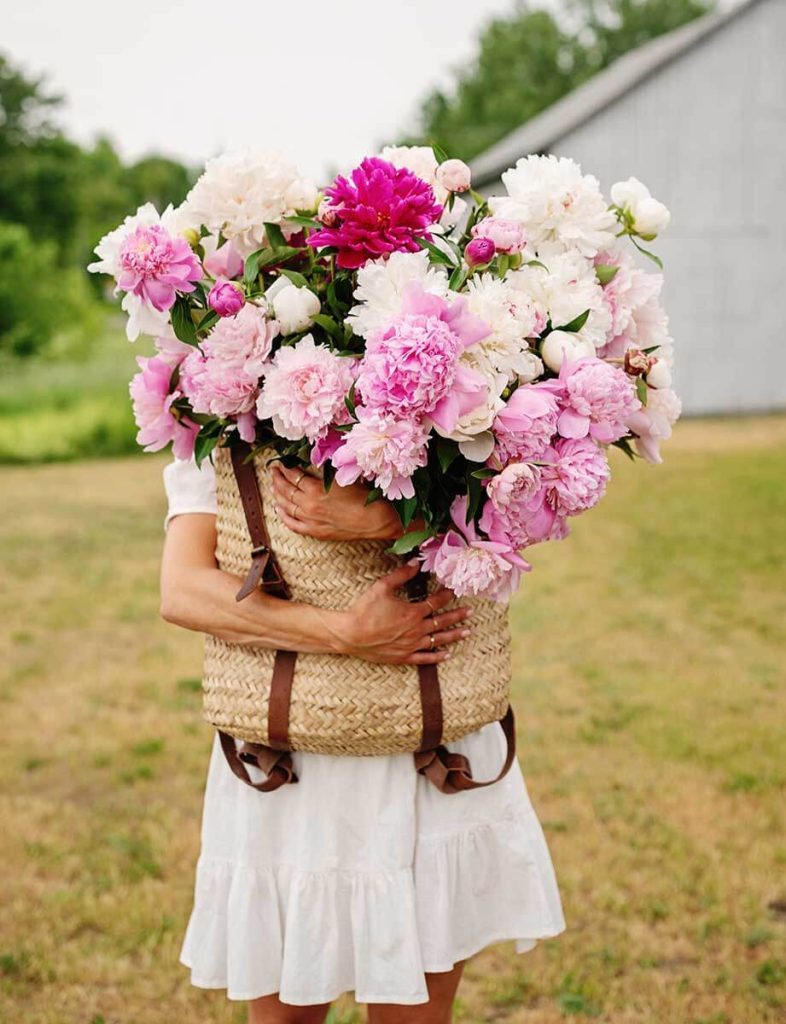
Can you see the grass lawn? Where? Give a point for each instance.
(652, 719)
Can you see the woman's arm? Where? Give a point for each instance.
(378, 626)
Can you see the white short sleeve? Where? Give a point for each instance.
(189, 488)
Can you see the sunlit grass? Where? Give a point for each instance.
(651, 708)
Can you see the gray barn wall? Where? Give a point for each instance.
(707, 134)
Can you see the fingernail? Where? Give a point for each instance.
(446, 655)
(466, 632)
(469, 612)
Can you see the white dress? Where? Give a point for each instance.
(362, 876)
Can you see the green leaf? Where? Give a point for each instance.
(437, 255)
(641, 390)
(251, 268)
(274, 235)
(279, 255)
(575, 325)
(209, 320)
(328, 474)
(483, 474)
(410, 540)
(457, 279)
(447, 452)
(606, 272)
(624, 445)
(297, 279)
(204, 445)
(474, 496)
(349, 400)
(536, 263)
(182, 321)
(439, 153)
(650, 255)
(503, 265)
(329, 324)
(373, 495)
(306, 222)
(407, 510)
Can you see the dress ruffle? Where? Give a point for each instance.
(311, 929)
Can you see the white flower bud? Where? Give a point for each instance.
(561, 345)
(659, 374)
(294, 308)
(454, 175)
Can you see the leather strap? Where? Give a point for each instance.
(428, 678)
(264, 570)
(451, 773)
(276, 764)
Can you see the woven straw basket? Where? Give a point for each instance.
(339, 704)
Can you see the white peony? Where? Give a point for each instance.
(421, 161)
(563, 291)
(511, 320)
(293, 307)
(533, 368)
(559, 208)
(649, 216)
(239, 191)
(302, 194)
(381, 284)
(562, 345)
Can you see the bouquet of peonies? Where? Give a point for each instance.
(471, 360)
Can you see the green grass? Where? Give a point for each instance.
(61, 411)
(651, 708)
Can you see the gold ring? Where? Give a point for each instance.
(431, 606)
(297, 483)
(431, 639)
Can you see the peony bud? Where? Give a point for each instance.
(226, 298)
(659, 375)
(479, 251)
(191, 235)
(224, 262)
(648, 216)
(507, 235)
(561, 345)
(294, 308)
(454, 175)
(301, 195)
(636, 362)
(327, 214)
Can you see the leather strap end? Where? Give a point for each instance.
(255, 575)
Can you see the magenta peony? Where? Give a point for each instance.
(384, 450)
(469, 565)
(525, 426)
(226, 298)
(155, 266)
(152, 403)
(383, 209)
(596, 399)
(479, 251)
(412, 368)
(304, 389)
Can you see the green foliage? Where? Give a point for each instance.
(531, 58)
(42, 305)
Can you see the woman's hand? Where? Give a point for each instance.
(338, 514)
(378, 626)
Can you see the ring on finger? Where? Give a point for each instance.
(297, 482)
(432, 641)
(431, 606)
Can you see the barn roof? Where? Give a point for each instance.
(539, 133)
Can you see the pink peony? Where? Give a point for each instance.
(222, 379)
(595, 399)
(226, 298)
(469, 565)
(412, 368)
(507, 236)
(152, 403)
(225, 261)
(383, 209)
(171, 349)
(524, 427)
(514, 512)
(155, 266)
(575, 476)
(384, 450)
(479, 251)
(304, 389)
(652, 422)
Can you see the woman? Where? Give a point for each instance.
(362, 877)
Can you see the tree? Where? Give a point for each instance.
(530, 59)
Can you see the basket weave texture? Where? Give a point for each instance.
(340, 704)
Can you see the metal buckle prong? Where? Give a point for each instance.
(260, 549)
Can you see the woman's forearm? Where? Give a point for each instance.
(203, 599)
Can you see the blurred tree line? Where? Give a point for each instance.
(56, 200)
(531, 58)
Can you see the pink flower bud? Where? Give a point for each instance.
(454, 175)
(226, 298)
(327, 214)
(224, 262)
(507, 235)
(637, 362)
(479, 251)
